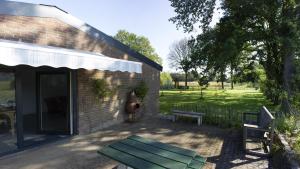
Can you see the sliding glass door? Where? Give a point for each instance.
(8, 138)
(54, 103)
(35, 106)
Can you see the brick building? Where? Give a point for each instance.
(48, 59)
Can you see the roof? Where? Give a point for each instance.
(42, 10)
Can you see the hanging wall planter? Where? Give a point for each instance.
(102, 89)
(141, 90)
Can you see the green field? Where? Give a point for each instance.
(6, 93)
(221, 107)
(243, 100)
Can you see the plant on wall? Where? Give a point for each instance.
(101, 88)
(141, 90)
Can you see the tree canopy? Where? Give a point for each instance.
(140, 44)
(166, 81)
(268, 31)
(180, 57)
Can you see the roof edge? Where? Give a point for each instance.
(51, 11)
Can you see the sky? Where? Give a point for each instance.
(142, 17)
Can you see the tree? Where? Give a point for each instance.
(165, 80)
(140, 44)
(191, 12)
(295, 81)
(247, 73)
(270, 27)
(176, 78)
(179, 77)
(180, 57)
(202, 50)
(202, 76)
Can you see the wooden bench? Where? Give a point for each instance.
(260, 127)
(197, 115)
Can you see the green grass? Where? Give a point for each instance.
(244, 100)
(223, 108)
(5, 85)
(6, 93)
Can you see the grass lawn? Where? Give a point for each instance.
(6, 93)
(247, 99)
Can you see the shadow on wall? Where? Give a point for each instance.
(98, 113)
(93, 114)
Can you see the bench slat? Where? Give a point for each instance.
(161, 152)
(127, 159)
(200, 159)
(196, 164)
(265, 124)
(159, 160)
(164, 146)
(188, 113)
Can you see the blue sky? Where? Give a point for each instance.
(142, 17)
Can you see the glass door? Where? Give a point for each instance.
(54, 103)
(8, 138)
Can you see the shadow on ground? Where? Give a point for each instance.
(232, 155)
(222, 147)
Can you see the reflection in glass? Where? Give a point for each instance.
(54, 103)
(7, 112)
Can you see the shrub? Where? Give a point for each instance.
(296, 147)
(166, 81)
(272, 91)
(101, 88)
(286, 124)
(141, 90)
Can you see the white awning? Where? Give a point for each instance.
(14, 53)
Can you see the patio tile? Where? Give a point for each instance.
(222, 147)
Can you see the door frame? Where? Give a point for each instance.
(69, 97)
(73, 86)
(17, 124)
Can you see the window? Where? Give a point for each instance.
(8, 137)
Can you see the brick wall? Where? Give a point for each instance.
(94, 114)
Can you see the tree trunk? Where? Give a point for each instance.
(222, 80)
(201, 92)
(186, 74)
(287, 75)
(222, 84)
(231, 77)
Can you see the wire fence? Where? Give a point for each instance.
(223, 116)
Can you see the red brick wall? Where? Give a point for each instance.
(94, 114)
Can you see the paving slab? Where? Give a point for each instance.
(221, 147)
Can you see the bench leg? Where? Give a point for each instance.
(199, 121)
(245, 138)
(174, 118)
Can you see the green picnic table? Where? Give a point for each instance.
(141, 153)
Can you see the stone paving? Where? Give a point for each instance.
(221, 147)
